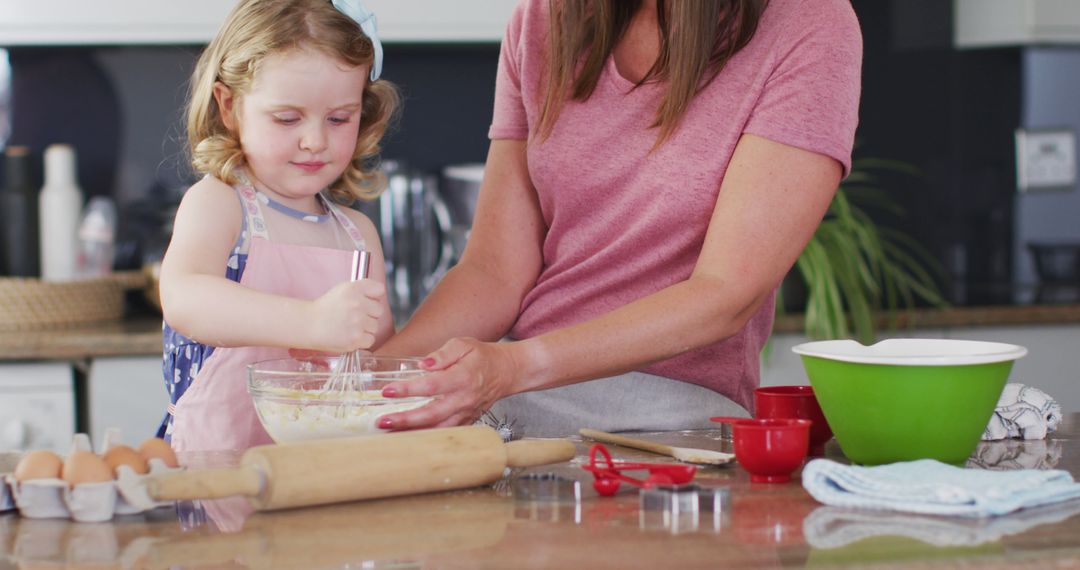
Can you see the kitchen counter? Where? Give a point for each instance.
(1003, 315)
(141, 335)
(757, 525)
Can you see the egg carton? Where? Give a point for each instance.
(88, 502)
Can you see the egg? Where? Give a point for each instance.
(157, 448)
(124, 455)
(38, 465)
(85, 467)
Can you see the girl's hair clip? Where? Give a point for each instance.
(366, 19)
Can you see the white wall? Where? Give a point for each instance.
(1051, 365)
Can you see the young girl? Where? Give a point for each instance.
(286, 111)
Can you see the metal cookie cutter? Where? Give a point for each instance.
(547, 497)
(683, 508)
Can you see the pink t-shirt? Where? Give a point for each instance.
(624, 223)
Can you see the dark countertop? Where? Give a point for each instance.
(758, 525)
(141, 335)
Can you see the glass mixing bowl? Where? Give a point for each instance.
(296, 400)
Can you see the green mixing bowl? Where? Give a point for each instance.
(906, 399)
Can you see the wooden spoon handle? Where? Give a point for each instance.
(628, 441)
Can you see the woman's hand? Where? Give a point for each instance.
(467, 377)
(346, 317)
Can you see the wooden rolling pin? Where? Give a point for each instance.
(363, 467)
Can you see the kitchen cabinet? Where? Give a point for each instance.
(38, 401)
(37, 406)
(124, 22)
(125, 393)
(54, 382)
(996, 23)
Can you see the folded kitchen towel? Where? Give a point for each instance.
(1023, 411)
(930, 487)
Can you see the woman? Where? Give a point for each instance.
(656, 167)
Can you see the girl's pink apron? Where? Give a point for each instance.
(216, 412)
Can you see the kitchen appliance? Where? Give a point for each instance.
(423, 222)
(363, 467)
(413, 222)
(19, 214)
(1058, 268)
(460, 190)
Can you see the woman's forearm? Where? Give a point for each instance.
(683, 317)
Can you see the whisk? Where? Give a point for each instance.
(347, 377)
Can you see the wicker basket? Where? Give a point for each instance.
(33, 304)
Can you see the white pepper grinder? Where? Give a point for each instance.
(60, 205)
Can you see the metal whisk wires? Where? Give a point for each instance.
(348, 376)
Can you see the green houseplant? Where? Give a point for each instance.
(854, 269)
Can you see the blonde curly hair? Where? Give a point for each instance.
(256, 29)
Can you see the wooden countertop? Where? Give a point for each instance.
(758, 525)
(141, 335)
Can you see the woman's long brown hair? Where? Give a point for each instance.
(698, 37)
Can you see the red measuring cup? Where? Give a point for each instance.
(770, 449)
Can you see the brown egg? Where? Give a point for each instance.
(85, 467)
(158, 448)
(38, 465)
(124, 455)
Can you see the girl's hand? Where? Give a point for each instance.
(346, 318)
(315, 357)
(467, 377)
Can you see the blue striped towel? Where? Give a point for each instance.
(931, 487)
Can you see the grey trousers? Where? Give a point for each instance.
(629, 402)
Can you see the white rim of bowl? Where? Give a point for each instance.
(886, 351)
